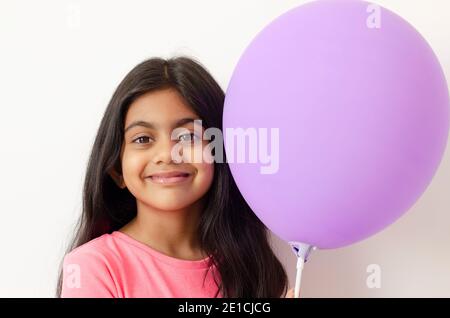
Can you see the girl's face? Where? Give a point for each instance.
(146, 154)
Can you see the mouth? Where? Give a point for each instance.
(171, 177)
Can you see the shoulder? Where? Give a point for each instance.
(88, 270)
(99, 248)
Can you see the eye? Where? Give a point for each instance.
(190, 137)
(141, 139)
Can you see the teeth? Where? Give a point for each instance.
(178, 175)
(185, 175)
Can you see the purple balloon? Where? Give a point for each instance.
(362, 107)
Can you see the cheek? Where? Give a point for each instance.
(196, 154)
(205, 175)
(132, 166)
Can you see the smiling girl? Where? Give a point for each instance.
(151, 227)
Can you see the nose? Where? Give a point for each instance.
(162, 151)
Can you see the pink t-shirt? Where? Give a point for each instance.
(116, 265)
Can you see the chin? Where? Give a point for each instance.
(171, 205)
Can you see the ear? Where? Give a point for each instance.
(118, 178)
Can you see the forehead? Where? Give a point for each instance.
(163, 106)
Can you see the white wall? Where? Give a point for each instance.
(60, 61)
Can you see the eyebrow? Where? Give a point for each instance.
(147, 124)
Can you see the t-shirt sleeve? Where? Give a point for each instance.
(87, 274)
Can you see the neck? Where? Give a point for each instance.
(174, 233)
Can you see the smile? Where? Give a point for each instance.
(174, 177)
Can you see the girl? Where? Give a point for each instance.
(151, 227)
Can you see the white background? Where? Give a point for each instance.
(60, 61)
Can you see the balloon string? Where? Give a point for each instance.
(298, 278)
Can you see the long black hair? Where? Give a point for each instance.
(230, 232)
